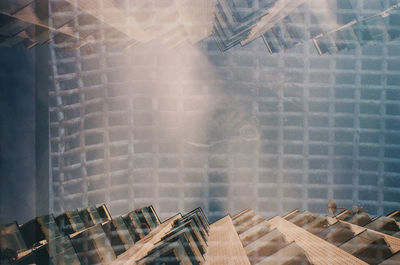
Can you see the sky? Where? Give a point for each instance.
(17, 134)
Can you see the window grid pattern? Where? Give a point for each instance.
(326, 127)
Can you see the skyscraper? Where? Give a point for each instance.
(239, 128)
(146, 108)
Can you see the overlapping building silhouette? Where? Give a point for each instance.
(92, 236)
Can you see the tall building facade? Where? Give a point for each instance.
(193, 126)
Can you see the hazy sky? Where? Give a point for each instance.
(17, 134)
